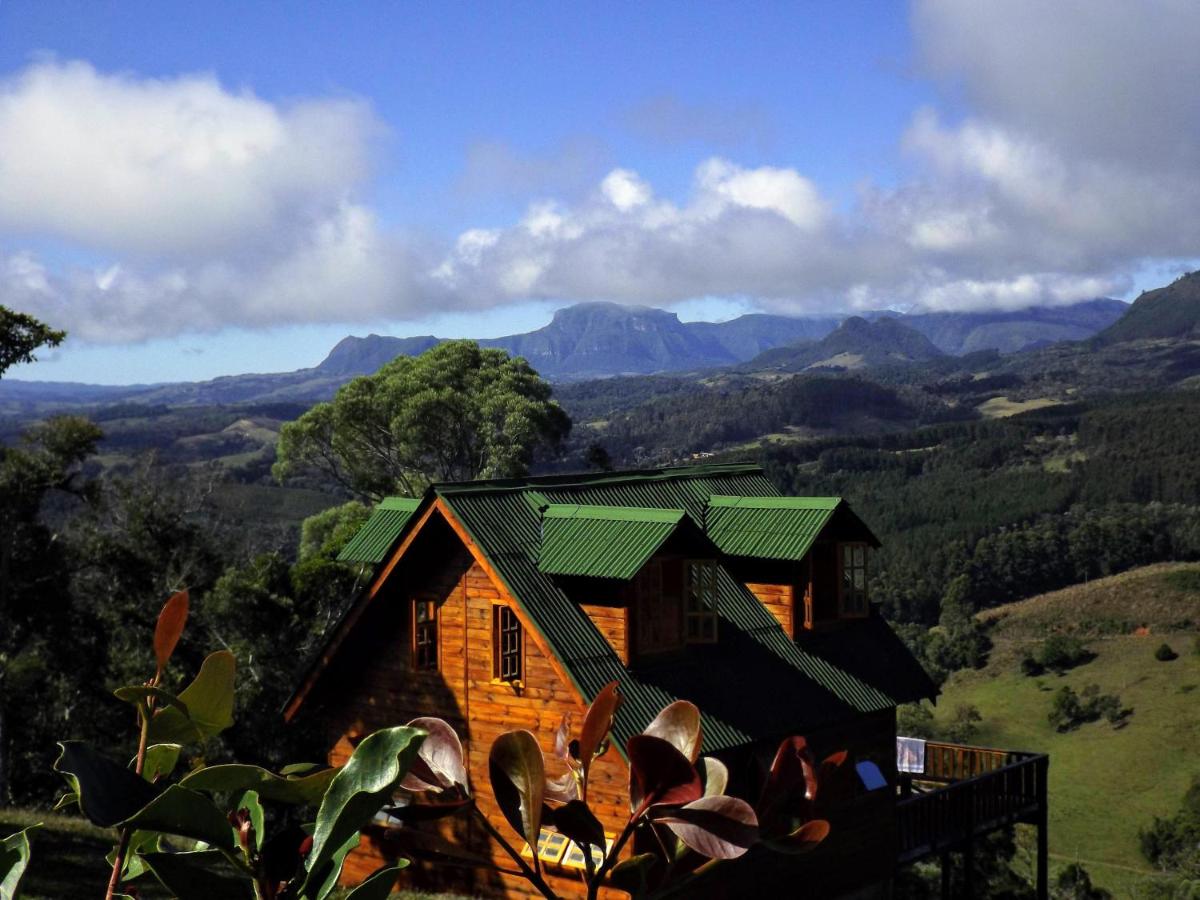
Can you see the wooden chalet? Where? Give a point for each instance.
(505, 604)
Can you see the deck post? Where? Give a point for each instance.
(1043, 836)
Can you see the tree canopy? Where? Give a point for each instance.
(454, 413)
(21, 335)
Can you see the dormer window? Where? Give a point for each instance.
(852, 593)
(700, 609)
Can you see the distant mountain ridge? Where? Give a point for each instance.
(1166, 312)
(594, 340)
(957, 333)
(856, 344)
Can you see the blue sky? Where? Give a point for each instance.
(195, 189)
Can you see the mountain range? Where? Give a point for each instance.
(592, 340)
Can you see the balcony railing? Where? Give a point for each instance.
(967, 792)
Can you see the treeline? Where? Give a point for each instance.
(1015, 506)
(689, 421)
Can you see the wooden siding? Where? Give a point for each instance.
(780, 600)
(372, 685)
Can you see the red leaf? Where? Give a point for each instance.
(442, 753)
(679, 725)
(658, 773)
(803, 839)
(717, 827)
(170, 626)
(793, 771)
(597, 724)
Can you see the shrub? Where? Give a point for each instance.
(1069, 710)
(963, 724)
(1164, 653)
(915, 720)
(1061, 652)
(1074, 883)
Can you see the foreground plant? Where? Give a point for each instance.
(204, 835)
(682, 823)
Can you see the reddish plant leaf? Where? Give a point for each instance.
(658, 773)
(579, 823)
(563, 789)
(171, 620)
(679, 725)
(803, 839)
(562, 738)
(597, 724)
(791, 782)
(716, 827)
(518, 775)
(716, 777)
(441, 752)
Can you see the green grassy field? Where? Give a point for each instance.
(1105, 783)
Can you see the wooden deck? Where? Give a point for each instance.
(967, 792)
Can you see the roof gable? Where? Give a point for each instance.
(782, 528)
(602, 541)
(379, 534)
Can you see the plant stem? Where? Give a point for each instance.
(611, 858)
(533, 877)
(145, 710)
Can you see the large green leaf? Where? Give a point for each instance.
(15, 854)
(160, 762)
(379, 885)
(233, 777)
(108, 792)
(358, 791)
(209, 703)
(137, 694)
(322, 881)
(185, 813)
(250, 803)
(518, 774)
(200, 875)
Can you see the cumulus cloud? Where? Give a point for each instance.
(214, 206)
(1073, 165)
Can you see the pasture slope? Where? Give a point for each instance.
(1105, 783)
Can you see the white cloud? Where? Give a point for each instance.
(174, 167)
(213, 207)
(1074, 164)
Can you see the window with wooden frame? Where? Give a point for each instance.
(658, 617)
(508, 645)
(852, 593)
(425, 635)
(700, 605)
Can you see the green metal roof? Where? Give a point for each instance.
(768, 527)
(602, 541)
(380, 532)
(755, 682)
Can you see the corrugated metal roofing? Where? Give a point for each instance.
(377, 536)
(602, 541)
(753, 683)
(768, 527)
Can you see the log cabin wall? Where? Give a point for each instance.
(373, 685)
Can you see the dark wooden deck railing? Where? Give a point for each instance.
(967, 792)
